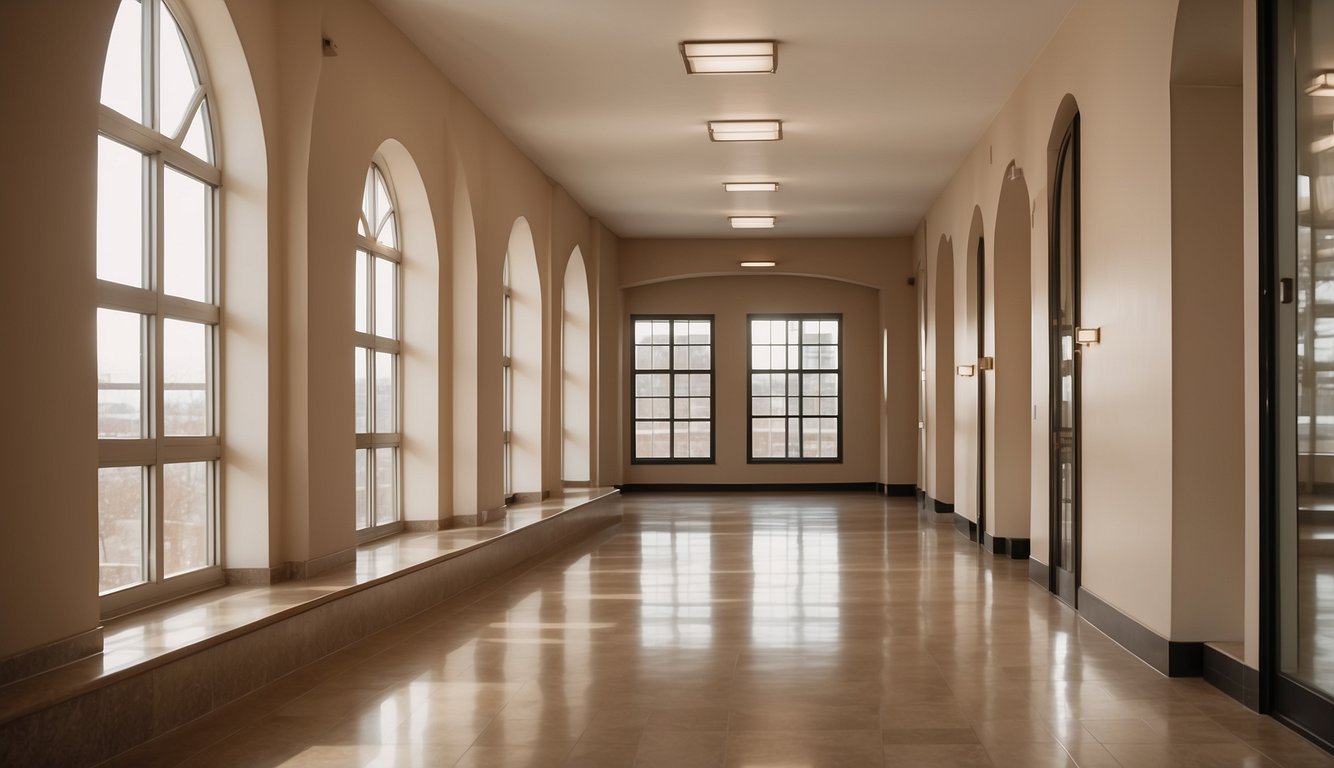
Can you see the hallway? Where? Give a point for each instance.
(742, 630)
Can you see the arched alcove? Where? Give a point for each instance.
(1009, 385)
(576, 380)
(420, 317)
(968, 402)
(465, 371)
(940, 418)
(524, 350)
(1213, 480)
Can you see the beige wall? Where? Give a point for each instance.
(1114, 58)
(865, 278)
(296, 132)
(729, 300)
(46, 303)
(1156, 283)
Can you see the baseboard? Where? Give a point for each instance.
(1172, 658)
(47, 657)
(577, 483)
(940, 507)
(897, 490)
(323, 564)
(528, 497)
(426, 526)
(743, 487)
(1232, 677)
(920, 494)
(1039, 573)
(256, 577)
(966, 528)
(1017, 549)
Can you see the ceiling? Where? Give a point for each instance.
(881, 100)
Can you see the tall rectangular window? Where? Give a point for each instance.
(796, 392)
(672, 377)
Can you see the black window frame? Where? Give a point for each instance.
(671, 397)
(751, 371)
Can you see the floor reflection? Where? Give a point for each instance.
(732, 630)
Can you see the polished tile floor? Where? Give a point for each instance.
(792, 630)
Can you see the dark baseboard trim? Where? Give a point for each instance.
(1232, 677)
(895, 489)
(940, 507)
(1172, 658)
(1304, 711)
(742, 487)
(1039, 573)
(966, 528)
(1017, 549)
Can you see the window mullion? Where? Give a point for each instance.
(156, 377)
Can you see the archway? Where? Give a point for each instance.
(940, 421)
(969, 418)
(466, 505)
(576, 382)
(523, 354)
(1008, 385)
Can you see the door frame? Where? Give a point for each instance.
(1066, 588)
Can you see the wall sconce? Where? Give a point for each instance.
(965, 370)
(986, 363)
(1088, 335)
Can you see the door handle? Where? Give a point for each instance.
(1285, 290)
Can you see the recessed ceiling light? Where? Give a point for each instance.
(758, 264)
(751, 222)
(751, 186)
(745, 130)
(729, 57)
(1322, 85)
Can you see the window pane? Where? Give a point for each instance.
(185, 246)
(681, 440)
(363, 499)
(120, 212)
(386, 289)
(185, 515)
(185, 355)
(120, 363)
(362, 322)
(386, 485)
(122, 77)
(120, 527)
(700, 432)
(176, 75)
(699, 358)
(700, 384)
(385, 415)
(362, 406)
(701, 332)
(643, 331)
(196, 140)
(389, 232)
(759, 331)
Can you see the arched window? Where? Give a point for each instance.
(378, 347)
(157, 313)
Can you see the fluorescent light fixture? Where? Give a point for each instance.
(724, 57)
(1322, 85)
(758, 264)
(751, 186)
(751, 222)
(745, 130)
